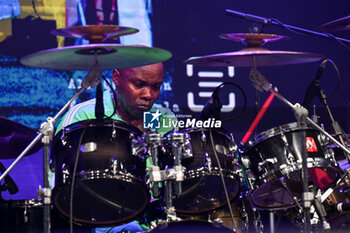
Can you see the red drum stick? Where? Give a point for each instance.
(258, 118)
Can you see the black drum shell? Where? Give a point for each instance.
(110, 184)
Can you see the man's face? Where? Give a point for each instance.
(138, 88)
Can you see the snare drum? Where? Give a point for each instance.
(109, 180)
(274, 159)
(202, 189)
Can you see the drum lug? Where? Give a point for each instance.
(114, 131)
(290, 157)
(187, 148)
(232, 146)
(65, 173)
(64, 137)
(245, 161)
(208, 161)
(116, 166)
(265, 162)
(203, 138)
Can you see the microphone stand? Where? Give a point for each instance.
(268, 21)
(46, 134)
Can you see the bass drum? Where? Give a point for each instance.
(274, 159)
(109, 180)
(202, 189)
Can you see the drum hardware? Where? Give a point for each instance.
(208, 161)
(170, 176)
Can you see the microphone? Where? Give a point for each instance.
(313, 89)
(10, 184)
(254, 18)
(99, 107)
(213, 107)
(339, 208)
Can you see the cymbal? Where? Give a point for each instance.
(252, 39)
(82, 57)
(341, 24)
(14, 138)
(254, 57)
(94, 33)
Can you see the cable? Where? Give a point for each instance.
(305, 34)
(244, 97)
(222, 178)
(73, 181)
(338, 76)
(34, 8)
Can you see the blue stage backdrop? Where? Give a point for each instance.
(187, 29)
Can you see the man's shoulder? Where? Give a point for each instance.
(79, 112)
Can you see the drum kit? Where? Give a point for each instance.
(199, 179)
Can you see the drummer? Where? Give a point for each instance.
(137, 90)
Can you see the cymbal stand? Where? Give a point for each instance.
(46, 133)
(261, 83)
(170, 176)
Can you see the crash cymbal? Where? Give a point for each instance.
(254, 57)
(94, 33)
(341, 24)
(252, 39)
(14, 138)
(82, 57)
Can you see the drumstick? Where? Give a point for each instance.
(257, 118)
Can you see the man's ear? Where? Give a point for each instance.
(116, 77)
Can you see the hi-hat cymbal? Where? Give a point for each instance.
(14, 138)
(254, 57)
(94, 33)
(341, 24)
(82, 57)
(252, 39)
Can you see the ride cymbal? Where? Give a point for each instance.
(94, 33)
(14, 138)
(82, 57)
(254, 57)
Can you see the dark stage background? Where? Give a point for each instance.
(186, 28)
